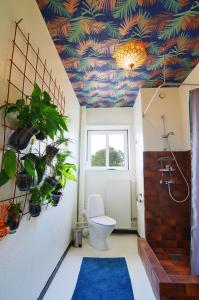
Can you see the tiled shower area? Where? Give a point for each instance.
(166, 250)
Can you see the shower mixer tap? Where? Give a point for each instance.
(167, 182)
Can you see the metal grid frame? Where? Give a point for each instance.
(51, 87)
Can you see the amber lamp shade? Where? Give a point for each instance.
(130, 55)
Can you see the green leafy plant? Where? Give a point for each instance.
(30, 163)
(40, 195)
(15, 208)
(13, 216)
(63, 171)
(9, 166)
(39, 113)
(35, 165)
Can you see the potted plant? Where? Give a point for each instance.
(38, 198)
(35, 202)
(62, 171)
(51, 180)
(14, 215)
(56, 195)
(31, 169)
(35, 116)
(35, 165)
(23, 181)
(53, 148)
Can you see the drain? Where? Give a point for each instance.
(177, 257)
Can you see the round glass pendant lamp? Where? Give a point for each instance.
(130, 55)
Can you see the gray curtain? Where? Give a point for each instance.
(194, 125)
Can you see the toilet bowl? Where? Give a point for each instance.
(99, 225)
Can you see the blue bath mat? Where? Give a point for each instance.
(103, 279)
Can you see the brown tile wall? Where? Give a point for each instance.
(166, 286)
(167, 222)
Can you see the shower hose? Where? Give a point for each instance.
(183, 176)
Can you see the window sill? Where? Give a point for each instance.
(109, 170)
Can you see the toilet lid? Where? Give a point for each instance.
(103, 220)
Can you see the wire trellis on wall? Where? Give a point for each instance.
(27, 68)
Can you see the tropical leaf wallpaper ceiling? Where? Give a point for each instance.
(86, 33)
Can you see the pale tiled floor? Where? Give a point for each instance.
(119, 245)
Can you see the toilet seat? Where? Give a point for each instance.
(104, 220)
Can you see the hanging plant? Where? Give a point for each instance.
(31, 169)
(53, 148)
(36, 115)
(38, 198)
(63, 172)
(13, 218)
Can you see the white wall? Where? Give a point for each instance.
(139, 172)
(28, 257)
(152, 122)
(96, 181)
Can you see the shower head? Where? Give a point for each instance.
(165, 136)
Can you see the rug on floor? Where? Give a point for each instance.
(103, 279)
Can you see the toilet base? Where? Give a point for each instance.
(98, 244)
(98, 235)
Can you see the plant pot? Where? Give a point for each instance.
(51, 151)
(20, 138)
(13, 220)
(40, 136)
(4, 229)
(51, 180)
(23, 181)
(56, 196)
(34, 209)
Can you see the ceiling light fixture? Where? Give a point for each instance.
(130, 55)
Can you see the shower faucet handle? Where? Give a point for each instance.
(167, 182)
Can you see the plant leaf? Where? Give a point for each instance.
(20, 103)
(29, 167)
(10, 163)
(47, 97)
(37, 91)
(11, 109)
(63, 121)
(3, 177)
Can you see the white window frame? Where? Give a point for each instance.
(107, 132)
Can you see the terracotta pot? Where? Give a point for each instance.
(20, 138)
(4, 229)
(34, 209)
(13, 220)
(23, 181)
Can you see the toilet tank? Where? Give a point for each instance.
(95, 206)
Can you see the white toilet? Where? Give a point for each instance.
(99, 225)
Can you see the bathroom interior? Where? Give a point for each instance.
(150, 116)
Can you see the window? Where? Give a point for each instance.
(108, 149)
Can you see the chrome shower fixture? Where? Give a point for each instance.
(165, 136)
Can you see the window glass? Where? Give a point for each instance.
(98, 150)
(108, 149)
(116, 150)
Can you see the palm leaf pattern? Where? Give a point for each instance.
(71, 6)
(57, 7)
(87, 32)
